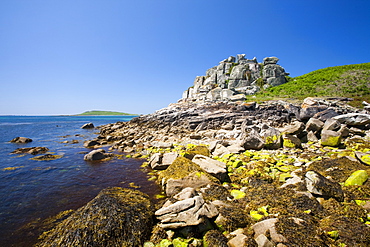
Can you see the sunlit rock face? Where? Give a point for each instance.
(235, 76)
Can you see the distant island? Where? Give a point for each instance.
(105, 113)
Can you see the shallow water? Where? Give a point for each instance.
(31, 191)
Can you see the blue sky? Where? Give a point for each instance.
(70, 56)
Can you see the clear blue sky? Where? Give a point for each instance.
(69, 56)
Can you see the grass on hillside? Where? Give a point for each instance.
(351, 81)
(106, 113)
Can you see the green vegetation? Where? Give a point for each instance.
(104, 113)
(351, 81)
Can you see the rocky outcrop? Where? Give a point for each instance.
(234, 78)
(21, 140)
(115, 217)
(227, 166)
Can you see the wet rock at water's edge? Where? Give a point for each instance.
(115, 217)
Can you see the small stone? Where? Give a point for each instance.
(357, 178)
(263, 241)
(238, 240)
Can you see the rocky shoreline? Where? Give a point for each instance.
(235, 174)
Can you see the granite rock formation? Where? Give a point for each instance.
(234, 78)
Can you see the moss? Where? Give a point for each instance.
(182, 167)
(214, 238)
(192, 151)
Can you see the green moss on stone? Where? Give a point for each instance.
(357, 178)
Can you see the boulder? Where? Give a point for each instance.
(353, 119)
(357, 178)
(91, 143)
(268, 225)
(214, 167)
(88, 126)
(295, 128)
(220, 150)
(272, 138)
(168, 158)
(270, 60)
(307, 112)
(21, 140)
(314, 125)
(115, 217)
(188, 212)
(319, 185)
(363, 157)
(291, 141)
(325, 114)
(252, 140)
(238, 240)
(184, 173)
(330, 138)
(97, 154)
(331, 124)
(155, 162)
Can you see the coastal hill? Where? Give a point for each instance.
(348, 81)
(104, 113)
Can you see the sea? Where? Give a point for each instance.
(32, 191)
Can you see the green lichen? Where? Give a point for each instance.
(357, 178)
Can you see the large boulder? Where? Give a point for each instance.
(353, 119)
(252, 140)
(98, 154)
(212, 166)
(115, 217)
(189, 212)
(184, 173)
(320, 185)
(330, 138)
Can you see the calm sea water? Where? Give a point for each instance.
(31, 191)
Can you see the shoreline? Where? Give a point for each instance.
(245, 165)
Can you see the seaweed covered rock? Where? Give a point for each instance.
(319, 185)
(115, 217)
(343, 231)
(21, 140)
(31, 150)
(184, 173)
(214, 238)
